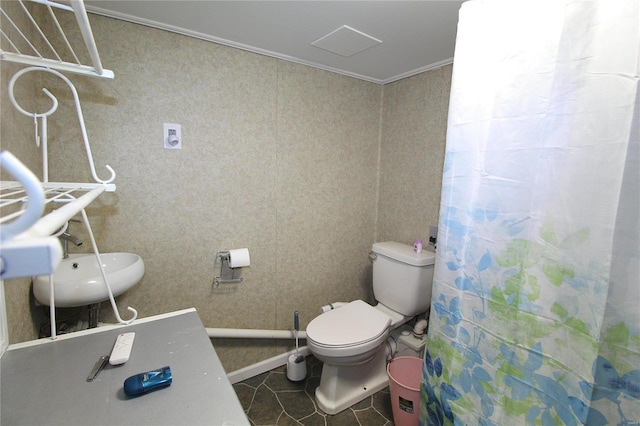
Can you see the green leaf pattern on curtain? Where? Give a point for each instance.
(533, 363)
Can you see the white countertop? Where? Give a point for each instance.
(44, 381)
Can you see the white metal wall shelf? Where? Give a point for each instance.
(31, 34)
(28, 44)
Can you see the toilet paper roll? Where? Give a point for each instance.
(239, 258)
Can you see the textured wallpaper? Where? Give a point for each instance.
(414, 124)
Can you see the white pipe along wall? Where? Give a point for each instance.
(264, 366)
(250, 333)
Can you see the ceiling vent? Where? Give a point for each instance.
(346, 41)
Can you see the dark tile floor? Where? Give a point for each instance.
(271, 399)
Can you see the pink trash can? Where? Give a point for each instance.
(405, 373)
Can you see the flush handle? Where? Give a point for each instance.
(372, 256)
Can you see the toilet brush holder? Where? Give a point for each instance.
(296, 365)
(296, 368)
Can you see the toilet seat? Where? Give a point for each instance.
(352, 325)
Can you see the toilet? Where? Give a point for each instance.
(352, 340)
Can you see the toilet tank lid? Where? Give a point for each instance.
(404, 253)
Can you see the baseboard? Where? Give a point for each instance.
(264, 366)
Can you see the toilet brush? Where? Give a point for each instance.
(296, 328)
(296, 366)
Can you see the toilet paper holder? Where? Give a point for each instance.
(227, 273)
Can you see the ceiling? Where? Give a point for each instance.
(377, 41)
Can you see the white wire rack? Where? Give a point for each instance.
(34, 36)
(27, 248)
(19, 224)
(28, 243)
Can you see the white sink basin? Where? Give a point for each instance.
(77, 280)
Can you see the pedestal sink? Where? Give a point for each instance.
(77, 280)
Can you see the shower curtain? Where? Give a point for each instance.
(535, 315)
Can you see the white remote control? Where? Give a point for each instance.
(122, 348)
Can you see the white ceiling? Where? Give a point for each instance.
(416, 35)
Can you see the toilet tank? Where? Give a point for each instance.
(402, 279)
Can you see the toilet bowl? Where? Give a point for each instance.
(352, 340)
(348, 335)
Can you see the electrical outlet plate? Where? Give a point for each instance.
(172, 136)
(433, 235)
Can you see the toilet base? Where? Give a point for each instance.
(355, 383)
